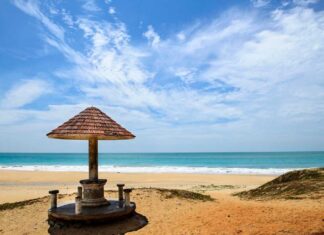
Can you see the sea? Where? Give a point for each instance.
(262, 163)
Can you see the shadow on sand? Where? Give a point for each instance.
(133, 223)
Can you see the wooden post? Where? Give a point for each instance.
(78, 205)
(120, 192)
(93, 159)
(53, 200)
(80, 192)
(127, 196)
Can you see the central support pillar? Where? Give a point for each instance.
(93, 188)
(93, 159)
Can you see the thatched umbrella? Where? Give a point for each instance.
(92, 125)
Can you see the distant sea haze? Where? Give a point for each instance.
(272, 163)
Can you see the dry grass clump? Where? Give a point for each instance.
(20, 204)
(299, 184)
(214, 187)
(184, 194)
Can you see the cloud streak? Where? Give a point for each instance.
(24, 93)
(238, 73)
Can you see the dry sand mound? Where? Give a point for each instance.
(298, 184)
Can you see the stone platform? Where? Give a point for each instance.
(115, 210)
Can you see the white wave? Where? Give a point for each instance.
(154, 169)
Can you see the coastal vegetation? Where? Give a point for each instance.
(298, 184)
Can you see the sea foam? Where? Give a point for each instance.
(153, 169)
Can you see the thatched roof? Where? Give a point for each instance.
(91, 123)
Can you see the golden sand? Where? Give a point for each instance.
(22, 185)
(225, 215)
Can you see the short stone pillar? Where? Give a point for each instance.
(53, 200)
(78, 205)
(80, 192)
(127, 196)
(93, 192)
(120, 192)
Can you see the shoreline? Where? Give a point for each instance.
(153, 169)
(148, 173)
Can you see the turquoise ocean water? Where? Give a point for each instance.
(207, 163)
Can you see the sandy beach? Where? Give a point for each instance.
(227, 214)
(23, 185)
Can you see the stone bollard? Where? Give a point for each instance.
(127, 196)
(53, 194)
(80, 192)
(78, 205)
(120, 192)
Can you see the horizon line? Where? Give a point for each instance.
(288, 151)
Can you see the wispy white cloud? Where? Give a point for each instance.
(67, 18)
(260, 3)
(255, 59)
(152, 36)
(181, 36)
(112, 10)
(56, 36)
(24, 93)
(31, 7)
(305, 2)
(91, 5)
(238, 75)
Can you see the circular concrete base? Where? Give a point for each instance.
(112, 212)
(93, 193)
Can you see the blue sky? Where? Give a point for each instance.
(182, 75)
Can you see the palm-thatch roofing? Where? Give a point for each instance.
(91, 123)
